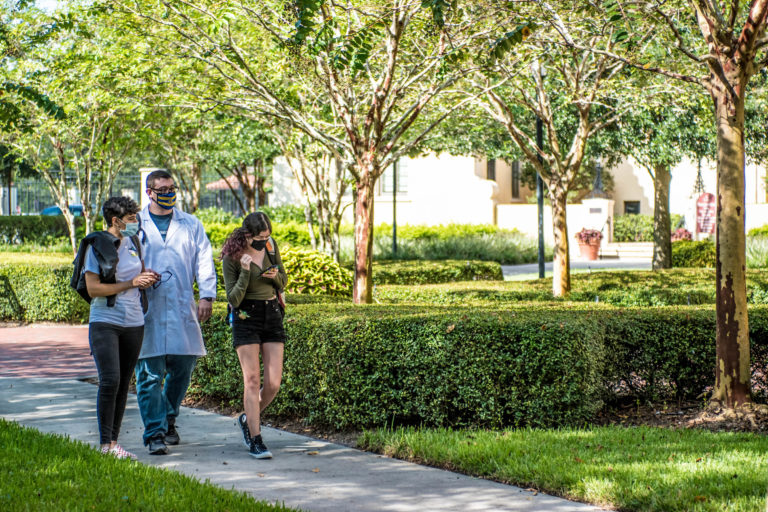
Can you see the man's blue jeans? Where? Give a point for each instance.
(161, 383)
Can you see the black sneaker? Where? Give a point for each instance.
(171, 436)
(241, 420)
(157, 446)
(258, 449)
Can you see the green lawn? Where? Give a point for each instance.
(48, 472)
(50, 258)
(643, 469)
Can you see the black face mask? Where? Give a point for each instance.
(259, 245)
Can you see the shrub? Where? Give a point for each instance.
(762, 231)
(430, 272)
(286, 213)
(353, 367)
(548, 365)
(687, 253)
(315, 273)
(41, 293)
(503, 247)
(35, 229)
(681, 234)
(214, 215)
(286, 234)
(757, 252)
(638, 228)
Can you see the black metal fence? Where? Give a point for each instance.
(33, 195)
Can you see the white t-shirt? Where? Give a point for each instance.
(127, 310)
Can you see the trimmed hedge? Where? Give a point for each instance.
(688, 253)
(41, 293)
(762, 231)
(432, 272)
(543, 365)
(35, 229)
(354, 367)
(638, 228)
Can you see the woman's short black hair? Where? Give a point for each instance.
(118, 207)
(257, 222)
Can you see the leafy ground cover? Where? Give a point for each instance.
(678, 286)
(50, 472)
(641, 468)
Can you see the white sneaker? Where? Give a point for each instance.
(121, 453)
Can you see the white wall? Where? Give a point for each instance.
(440, 190)
(591, 214)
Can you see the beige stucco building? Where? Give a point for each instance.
(442, 189)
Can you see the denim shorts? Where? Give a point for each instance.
(257, 322)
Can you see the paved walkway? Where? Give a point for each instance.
(531, 270)
(39, 367)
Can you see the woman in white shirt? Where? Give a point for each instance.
(113, 276)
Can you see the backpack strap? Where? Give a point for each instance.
(142, 292)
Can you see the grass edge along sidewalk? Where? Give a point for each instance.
(51, 472)
(638, 468)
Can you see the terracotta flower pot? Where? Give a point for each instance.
(589, 250)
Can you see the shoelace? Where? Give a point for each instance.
(120, 453)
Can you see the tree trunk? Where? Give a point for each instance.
(310, 226)
(561, 271)
(362, 292)
(662, 242)
(248, 188)
(72, 230)
(261, 181)
(194, 193)
(732, 382)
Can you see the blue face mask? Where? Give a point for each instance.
(166, 201)
(131, 229)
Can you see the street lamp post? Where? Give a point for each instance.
(540, 195)
(538, 69)
(394, 207)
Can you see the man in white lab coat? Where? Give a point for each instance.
(177, 248)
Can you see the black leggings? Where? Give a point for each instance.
(115, 350)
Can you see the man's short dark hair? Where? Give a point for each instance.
(157, 175)
(118, 207)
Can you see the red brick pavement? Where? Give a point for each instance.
(46, 351)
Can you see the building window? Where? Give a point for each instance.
(516, 180)
(631, 207)
(402, 178)
(491, 170)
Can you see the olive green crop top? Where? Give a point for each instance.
(248, 284)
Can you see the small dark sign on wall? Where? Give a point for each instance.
(595, 210)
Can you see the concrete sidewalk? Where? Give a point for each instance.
(306, 473)
(529, 271)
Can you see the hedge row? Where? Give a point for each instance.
(433, 272)
(351, 367)
(35, 229)
(39, 293)
(689, 253)
(619, 288)
(638, 228)
(533, 365)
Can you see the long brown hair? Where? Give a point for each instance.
(235, 244)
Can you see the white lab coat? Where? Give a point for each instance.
(171, 325)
